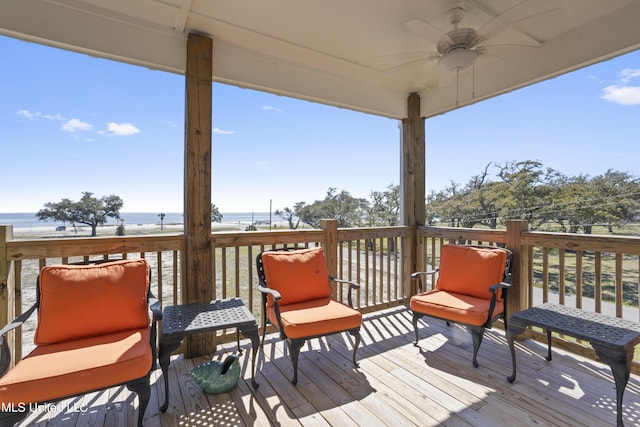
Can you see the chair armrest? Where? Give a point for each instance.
(494, 294)
(276, 297)
(18, 321)
(418, 276)
(5, 351)
(502, 285)
(275, 294)
(154, 307)
(352, 285)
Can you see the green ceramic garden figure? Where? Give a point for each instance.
(217, 377)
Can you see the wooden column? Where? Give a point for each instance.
(412, 186)
(518, 294)
(330, 246)
(7, 290)
(198, 267)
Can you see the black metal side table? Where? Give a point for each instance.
(612, 338)
(179, 321)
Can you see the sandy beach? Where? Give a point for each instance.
(49, 231)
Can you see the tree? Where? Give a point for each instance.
(291, 215)
(530, 191)
(527, 190)
(216, 216)
(608, 199)
(346, 209)
(88, 210)
(384, 207)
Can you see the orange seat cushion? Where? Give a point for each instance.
(74, 367)
(317, 317)
(470, 270)
(299, 275)
(454, 307)
(81, 301)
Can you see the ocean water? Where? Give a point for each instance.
(29, 219)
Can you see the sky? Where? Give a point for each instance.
(71, 123)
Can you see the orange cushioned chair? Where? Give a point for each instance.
(471, 289)
(94, 331)
(296, 299)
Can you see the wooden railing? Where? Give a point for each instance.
(23, 260)
(599, 273)
(594, 273)
(367, 255)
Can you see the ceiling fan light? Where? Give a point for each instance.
(457, 59)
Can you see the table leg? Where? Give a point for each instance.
(620, 363)
(166, 348)
(512, 331)
(252, 334)
(548, 331)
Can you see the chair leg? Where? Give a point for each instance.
(477, 332)
(264, 327)
(356, 334)
(294, 348)
(143, 389)
(416, 317)
(264, 333)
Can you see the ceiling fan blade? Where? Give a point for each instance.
(425, 30)
(520, 12)
(508, 47)
(426, 57)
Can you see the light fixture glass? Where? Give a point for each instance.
(457, 59)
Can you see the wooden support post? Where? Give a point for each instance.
(330, 246)
(7, 295)
(198, 267)
(518, 294)
(412, 187)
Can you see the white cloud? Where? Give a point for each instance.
(629, 74)
(271, 108)
(170, 123)
(222, 132)
(75, 125)
(29, 115)
(623, 95)
(121, 129)
(56, 116)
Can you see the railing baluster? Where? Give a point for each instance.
(619, 285)
(561, 273)
(578, 279)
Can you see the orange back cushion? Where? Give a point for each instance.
(81, 301)
(470, 271)
(298, 275)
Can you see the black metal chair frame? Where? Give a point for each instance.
(295, 344)
(477, 332)
(141, 386)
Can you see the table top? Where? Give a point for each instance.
(594, 327)
(206, 317)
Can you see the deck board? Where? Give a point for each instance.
(396, 384)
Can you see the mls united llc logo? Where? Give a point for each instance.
(42, 407)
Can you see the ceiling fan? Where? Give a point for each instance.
(459, 48)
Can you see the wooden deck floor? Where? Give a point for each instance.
(396, 384)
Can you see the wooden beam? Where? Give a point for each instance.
(518, 298)
(330, 246)
(412, 187)
(198, 267)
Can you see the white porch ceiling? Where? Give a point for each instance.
(357, 54)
